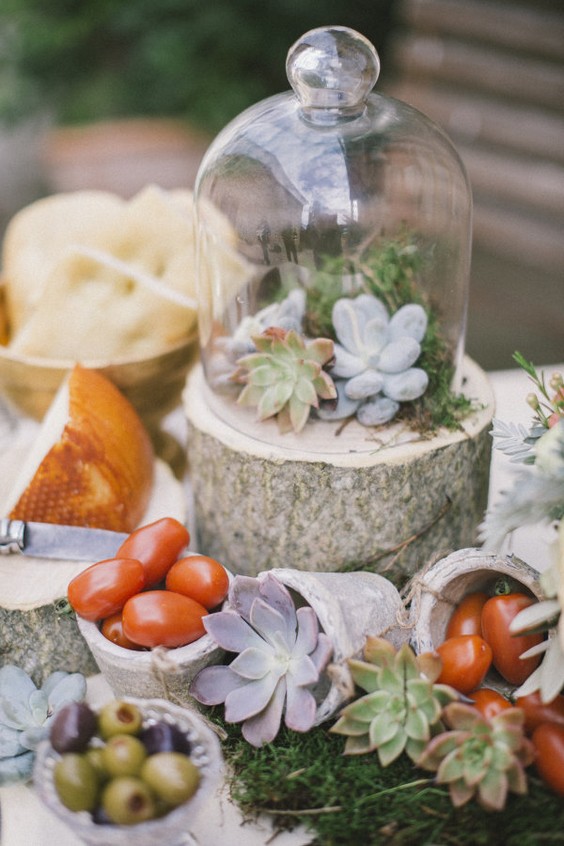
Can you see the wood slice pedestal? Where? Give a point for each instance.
(34, 633)
(334, 498)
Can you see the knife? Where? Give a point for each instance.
(50, 540)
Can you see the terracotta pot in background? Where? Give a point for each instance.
(122, 156)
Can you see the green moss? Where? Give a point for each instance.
(305, 779)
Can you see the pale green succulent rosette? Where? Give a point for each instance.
(402, 707)
(284, 378)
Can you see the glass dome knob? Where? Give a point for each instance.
(332, 71)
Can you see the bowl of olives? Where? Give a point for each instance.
(133, 767)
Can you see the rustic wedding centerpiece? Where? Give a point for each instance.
(334, 420)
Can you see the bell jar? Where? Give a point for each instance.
(333, 230)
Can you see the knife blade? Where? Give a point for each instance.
(51, 540)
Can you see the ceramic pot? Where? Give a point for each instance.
(158, 673)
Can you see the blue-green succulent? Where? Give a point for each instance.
(25, 714)
(374, 357)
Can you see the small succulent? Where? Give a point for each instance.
(285, 377)
(402, 707)
(25, 715)
(374, 359)
(480, 757)
(281, 655)
(288, 314)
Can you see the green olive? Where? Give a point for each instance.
(76, 782)
(119, 717)
(172, 776)
(127, 800)
(95, 757)
(123, 755)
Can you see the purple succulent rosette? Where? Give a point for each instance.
(281, 655)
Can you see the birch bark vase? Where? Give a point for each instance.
(328, 502)
(438, 589)
(36, 633)
(349, 606)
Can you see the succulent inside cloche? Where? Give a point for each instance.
(333, 247)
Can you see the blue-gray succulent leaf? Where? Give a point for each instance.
(348, 323)
(370, 307)
(10, 742)
(347, 364)
(53, 680)
(410, 320)
(63, 688)
(264, 726)
(32, 736)
(212, 685)
(340, 409)
(366, 384)
(18, 768)
(15, 689)
(399, 355)
(231, 632)
(378, 411)
(375, 337)
(292, 308)
(38, 708)
(406, 386)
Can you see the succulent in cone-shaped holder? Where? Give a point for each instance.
(281, 654)
(403, 703)
(480, 757)
(374, 359)
(285, 378)
(25, 714)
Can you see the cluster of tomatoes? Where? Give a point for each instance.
(477, 638)
(148, 595)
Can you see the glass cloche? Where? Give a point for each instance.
(334, 237)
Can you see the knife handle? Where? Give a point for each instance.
(11, 536)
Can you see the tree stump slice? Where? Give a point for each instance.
(35, 632)
(384, 500)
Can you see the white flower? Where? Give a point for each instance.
(548, 678)
(549, 451)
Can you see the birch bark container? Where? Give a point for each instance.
(438, 589)
(349, 606)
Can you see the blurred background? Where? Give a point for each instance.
(113, 95)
